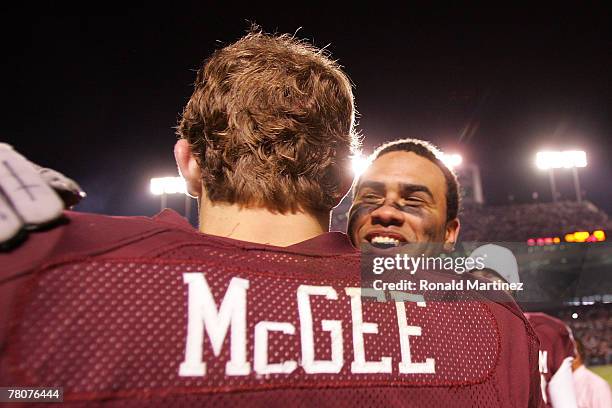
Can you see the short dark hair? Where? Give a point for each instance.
(271, 123)
(433, 154)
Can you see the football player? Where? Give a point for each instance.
(409, 197)
(261, 306)
(556, 354)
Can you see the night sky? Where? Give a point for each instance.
(97, 97)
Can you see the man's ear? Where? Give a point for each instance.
(452, 234)
(188, 167)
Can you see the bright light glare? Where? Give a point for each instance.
(566, 159)
(359, 163)
(168, 185)
(451, 160)
(599, 235)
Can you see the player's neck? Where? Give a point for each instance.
(260, 225)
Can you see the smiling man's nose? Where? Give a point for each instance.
(387, 215)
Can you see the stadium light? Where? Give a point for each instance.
(452, 160)
(359, 164)
(168, 185)
(568, 159)
(163, 186)
(556, 160)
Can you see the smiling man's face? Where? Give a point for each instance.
(401, 198)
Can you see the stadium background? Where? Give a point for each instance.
(96, 97)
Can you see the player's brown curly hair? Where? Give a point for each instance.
(271, 122)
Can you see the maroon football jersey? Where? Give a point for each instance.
(134, 311)
(556, 344)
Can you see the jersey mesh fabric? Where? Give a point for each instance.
(113, 330)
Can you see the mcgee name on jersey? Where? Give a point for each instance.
(231, 316)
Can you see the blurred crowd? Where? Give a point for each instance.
(592, 325)
(519, 222)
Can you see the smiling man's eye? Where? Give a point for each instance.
(370, 197)
(412, 201)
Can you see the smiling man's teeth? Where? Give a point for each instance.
(385, 241)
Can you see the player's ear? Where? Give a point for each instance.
(452, 234)
(188, 167)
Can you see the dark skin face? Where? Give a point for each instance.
(402, 196)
